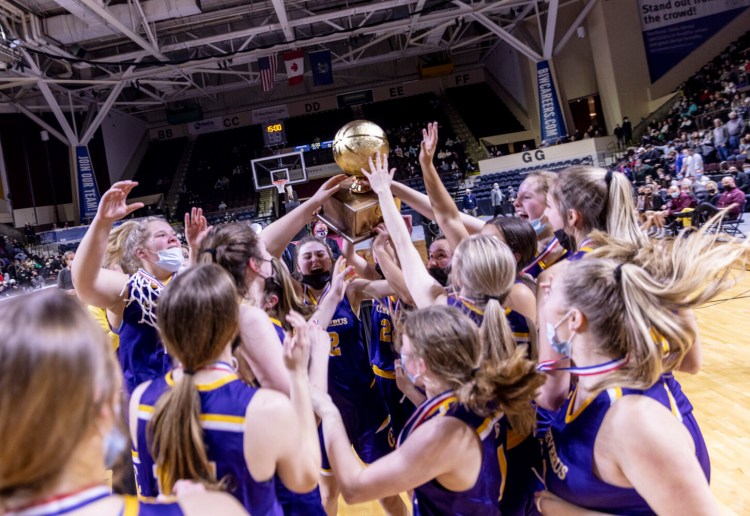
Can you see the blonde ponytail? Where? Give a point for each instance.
(450, 344)
(620, 220)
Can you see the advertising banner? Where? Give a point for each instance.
(672, 29)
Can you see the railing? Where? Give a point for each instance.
(659, 115)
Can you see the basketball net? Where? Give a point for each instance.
(279, 184)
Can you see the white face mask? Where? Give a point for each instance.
(170, 259)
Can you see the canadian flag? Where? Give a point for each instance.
(295, 66)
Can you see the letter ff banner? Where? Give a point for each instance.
(88, 192)
(553, 123)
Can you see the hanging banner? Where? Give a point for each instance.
(553, 123)
(88, 192)
(673, 29)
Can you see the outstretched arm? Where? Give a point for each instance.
(447, 215)
(278, 234)
(94, 285)
(362, 267)
(421, 204)
(424, 290)
(266, 360)
(196, 227)
(388, 265)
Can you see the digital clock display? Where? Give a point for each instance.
(274, 134)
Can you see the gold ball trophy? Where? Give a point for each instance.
(353, 212)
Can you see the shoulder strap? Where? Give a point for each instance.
(131, 507)
(365, 317)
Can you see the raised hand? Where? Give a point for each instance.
(113, 205)
(297, 344)
(196, 227)
(382, 237)
(329, 188)
(340, 279)
(429, 143)
(379, 177)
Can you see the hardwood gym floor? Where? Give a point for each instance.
(720, 393)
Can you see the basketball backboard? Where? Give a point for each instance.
(290, 166)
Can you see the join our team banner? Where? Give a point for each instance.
(88, 192)
(553, 123)
(672, 29)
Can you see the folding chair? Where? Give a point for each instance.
(732, 227)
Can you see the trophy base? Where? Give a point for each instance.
(352, 215)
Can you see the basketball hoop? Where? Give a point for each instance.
(279, 184)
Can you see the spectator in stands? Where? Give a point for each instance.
(470, 203)
(743, 178)
(678, 201)
(721, 139)
(37, 281)
(620, 137)
(713, 192)
(691, 163)
(732, 198)
(469, 166)
(498, 199)
(735, 127)
(222, 205)
(320, 230)
(697, 189)
(648, 203)
(65, 277)
(627, 131)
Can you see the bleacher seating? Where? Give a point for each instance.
(158, 167)
(219, 170)
(493, 118)
(513, 178)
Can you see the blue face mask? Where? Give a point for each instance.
(565, 347)
(675, 195)
(113, 444)
(171, 259)
(538, 226)
(412, 377)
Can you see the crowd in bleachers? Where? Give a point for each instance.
(710, 114)
(22, 270)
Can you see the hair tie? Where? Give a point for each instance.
(618, 274)
(187, 371)
(211, 251)
(608, 178)
(499, 299)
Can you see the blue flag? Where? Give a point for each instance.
(320, 62)
(88, 192)
(553, 123)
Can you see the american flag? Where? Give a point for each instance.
(267, 67)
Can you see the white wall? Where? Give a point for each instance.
(503, 64)
(44, 215)
(123, 135)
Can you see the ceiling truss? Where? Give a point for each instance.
(142, 63)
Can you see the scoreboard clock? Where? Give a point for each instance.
(274, 133)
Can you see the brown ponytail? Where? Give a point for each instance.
(450, 344)
(509, 385)
(198, 316)
(231, 246)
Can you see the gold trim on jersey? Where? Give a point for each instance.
(205, 387)
(391, 375)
